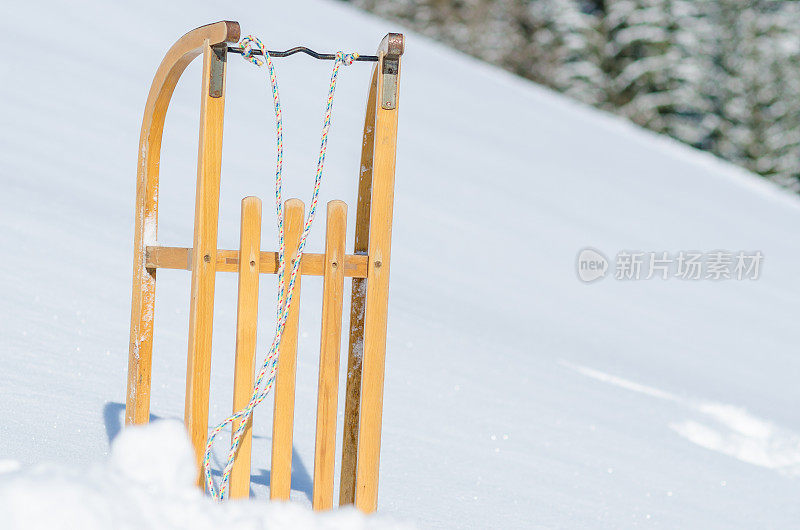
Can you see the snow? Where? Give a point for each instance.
(148, 482)
(500, 184)
(724, 428)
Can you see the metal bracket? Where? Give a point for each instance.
(389, 94)
(216, 81)
(392, 48)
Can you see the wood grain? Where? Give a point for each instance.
(280, 481)
(330, 342)
(140, 351)
(159, 257)
(201, 304)
(377, 303)
(246, 328)
(347, 484)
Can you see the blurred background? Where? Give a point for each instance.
(719, 75)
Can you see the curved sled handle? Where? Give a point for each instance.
(175, 62)
(146, 221)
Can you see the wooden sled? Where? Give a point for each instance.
(368, 266)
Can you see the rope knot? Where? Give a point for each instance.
(346, 58)
(250, 44)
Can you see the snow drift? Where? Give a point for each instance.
(148, 482)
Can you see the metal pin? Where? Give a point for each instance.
(303, 49)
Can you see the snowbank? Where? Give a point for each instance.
(148, 482)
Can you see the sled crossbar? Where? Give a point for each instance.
(307, 51)
(180, 258)
(367, 266)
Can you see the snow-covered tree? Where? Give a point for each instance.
(655, 61)
(759, 88)
(720, 75)
(562, 48)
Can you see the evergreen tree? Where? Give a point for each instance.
(720, 75)
(758, 106)
(562, 48)
(655, 65)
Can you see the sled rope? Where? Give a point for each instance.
(265, 379)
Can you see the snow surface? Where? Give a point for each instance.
(149, 482)
(515, 395)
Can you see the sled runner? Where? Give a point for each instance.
(368, 266)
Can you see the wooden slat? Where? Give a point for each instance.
(159, 257)
(347, 485)
(246, 325)
(330, 341)
(377, 302)
(137, 409)
(280, 481)
(201, 305)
